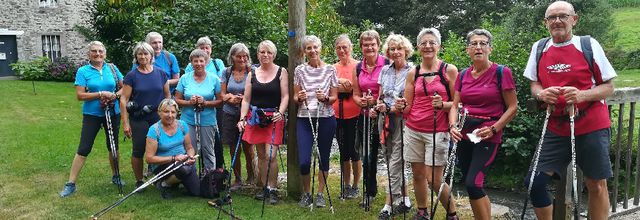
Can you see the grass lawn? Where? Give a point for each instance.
(627, 78)
(39, 135)
(626, 21)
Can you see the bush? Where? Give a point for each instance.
(42, 69)
(621, 59)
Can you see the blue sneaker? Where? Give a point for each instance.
(116, 180)
(69, 188)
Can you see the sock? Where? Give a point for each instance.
(164, 184)
(407, 201)
(422, 211)
(387, 208)
(451, 214)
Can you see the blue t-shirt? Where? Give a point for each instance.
(95, 80)
(160, 61)
(169, 145)
(234, 87)
(210, 68)
(208, 89)
(147, 89)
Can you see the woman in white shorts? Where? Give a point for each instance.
(427, 94)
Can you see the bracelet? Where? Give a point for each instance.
(173, 158)
(494, 130)
(99, 94)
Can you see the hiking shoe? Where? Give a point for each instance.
(452, 217)
(138, 184)
(422, 216)
(400, 209)
(346, 191)
(355, 191)
(235, 187)
(305, 200)
(384, 215)
(69, 188)
(116, 180)
(164, 191)
(273, 196)
(260, 194)
(370, 200)
(320, 200)
(148, 173)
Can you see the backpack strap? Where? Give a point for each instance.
(215, 64)
(415, 78)
(443, 80)
(542, 43)
(228, 73)
(464, 71)
(115, 76)
(167, 58)
(359, 69)
(587, 51)
(157, 126)
(499, 78)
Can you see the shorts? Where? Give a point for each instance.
(592, 154)
(263, 135)
(418, 147)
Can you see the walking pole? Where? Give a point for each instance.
(284, 131)
(403, 190)
(228, 197)
(433, 157)
(266, 181)
(317, 157)
(196, 118)
(386, 159)
(367, 146)
(174, 166)
(112, 146)
(341, 144)
(315, 136)
(449, 169)
(574, 187)
(535, 159)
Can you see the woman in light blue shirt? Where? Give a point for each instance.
(198, 92)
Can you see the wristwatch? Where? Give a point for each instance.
(494, 130)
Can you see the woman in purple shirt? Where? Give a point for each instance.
(487, 90)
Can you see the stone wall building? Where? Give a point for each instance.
(33, 28)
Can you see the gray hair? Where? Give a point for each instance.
(152, 35)
(144, 47)
(571, 8)
(95, 43)
(270, 46)
(401, 41)
(238, 48)
(341, 38)
(203, 41)
(165, 103)
(198, 53)
(480, 32)
(370, 35)
(431, 31)
(311, 39)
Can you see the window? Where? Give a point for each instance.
(51, 46)
(48, 3)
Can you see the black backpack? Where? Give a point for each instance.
(359, 66)
(441, 70)
(499, 78)
(213, 182)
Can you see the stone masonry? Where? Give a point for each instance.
(34, 20)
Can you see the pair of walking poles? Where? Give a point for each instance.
(536, 157)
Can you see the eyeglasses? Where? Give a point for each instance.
(428, 43)
(556, 17)
(97, 51)
(482, 44)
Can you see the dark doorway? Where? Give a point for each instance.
(8, 54)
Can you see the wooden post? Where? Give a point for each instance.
(297, 30)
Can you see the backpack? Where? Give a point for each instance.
(157, 127)
(441, 70)
(215, 64)
(585, 45)
(213, 182)
(167, 58)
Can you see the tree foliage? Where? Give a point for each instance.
(226, 22)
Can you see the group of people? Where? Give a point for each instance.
(424, 114)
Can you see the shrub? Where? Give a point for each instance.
(32, 70)
(42, 69)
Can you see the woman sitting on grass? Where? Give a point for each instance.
(167, 142)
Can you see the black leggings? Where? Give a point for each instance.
(370, 163)
(90, 127)
(346, 136)
(139, 129)
(186, 174)
(474, 161)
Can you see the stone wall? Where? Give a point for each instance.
(35, 21)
